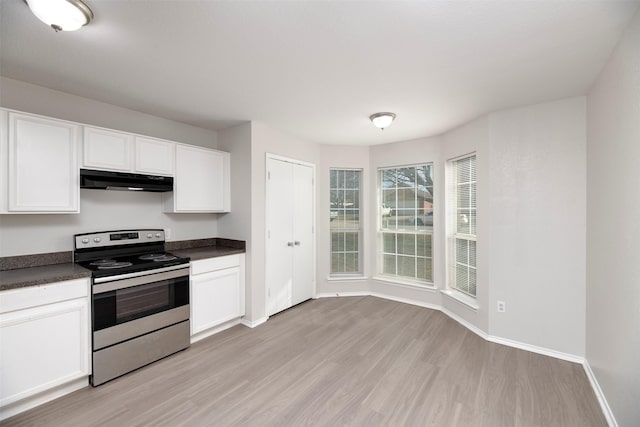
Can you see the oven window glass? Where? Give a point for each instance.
(142, 300)
(123, 305)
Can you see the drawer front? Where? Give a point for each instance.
(119, 359)
(213, 264)
(34, 296)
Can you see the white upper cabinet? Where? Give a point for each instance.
(42, 156)
(201, 182)
(124, 152)
(154, 156)
(107, 149)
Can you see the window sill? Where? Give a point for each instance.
(406, 283)
(465, 300)
(346, 278)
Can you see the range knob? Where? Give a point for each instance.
(149, 236)
(85, 240)
(158, 235)
(97, 239)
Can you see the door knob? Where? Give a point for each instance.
(297, 243)
(289, 243)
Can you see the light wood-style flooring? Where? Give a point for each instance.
(360, 361)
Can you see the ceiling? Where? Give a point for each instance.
(318, 69)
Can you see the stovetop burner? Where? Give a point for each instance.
(114, 264)
(157, 257)
(99, 262)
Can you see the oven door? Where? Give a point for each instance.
(134, 304)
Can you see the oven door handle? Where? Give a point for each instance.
(140, 273)
(123, 283)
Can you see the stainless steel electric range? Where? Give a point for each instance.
(139, 299)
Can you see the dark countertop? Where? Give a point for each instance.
(207, 252)
(33, 276)
(206, 248)
(32, 270)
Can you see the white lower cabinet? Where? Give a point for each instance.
(217, 294)
(44, 343)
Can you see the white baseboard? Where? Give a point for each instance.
(606, 409)
(535, 349)
(342, 294)
(473, 328)
(252, 324)
(41, 398)
(498, 340)
(405, 300)
(205, 334)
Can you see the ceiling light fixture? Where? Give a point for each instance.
(61, 15)
(382, 120)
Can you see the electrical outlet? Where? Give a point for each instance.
(167, 234)
(502, 306)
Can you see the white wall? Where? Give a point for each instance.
(237, 224)
(34, 99)
(347, 157)
(472, 137)
(265, 139)
(613, 213)
(425, 150)
(100, 210)
(538, 224)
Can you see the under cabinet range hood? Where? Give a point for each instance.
(106, 180)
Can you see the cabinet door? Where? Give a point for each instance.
(215, 298)
(154, 156)
(107, 149)
(303, 253)
(43, 347)
(43, 165)
(201, 180)
(279, 265)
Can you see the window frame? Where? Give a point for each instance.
(381, 231)
(454, 236)
(359, 230)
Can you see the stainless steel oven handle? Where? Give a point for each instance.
(99, 288)
(140, 273)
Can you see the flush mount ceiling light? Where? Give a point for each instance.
(61, 15)
(382, 120)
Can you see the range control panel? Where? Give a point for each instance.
(121, 237)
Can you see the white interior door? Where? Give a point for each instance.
(279, 259)
(302, 233)
(290, 239)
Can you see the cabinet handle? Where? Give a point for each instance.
(297, 243)
(289, 243)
